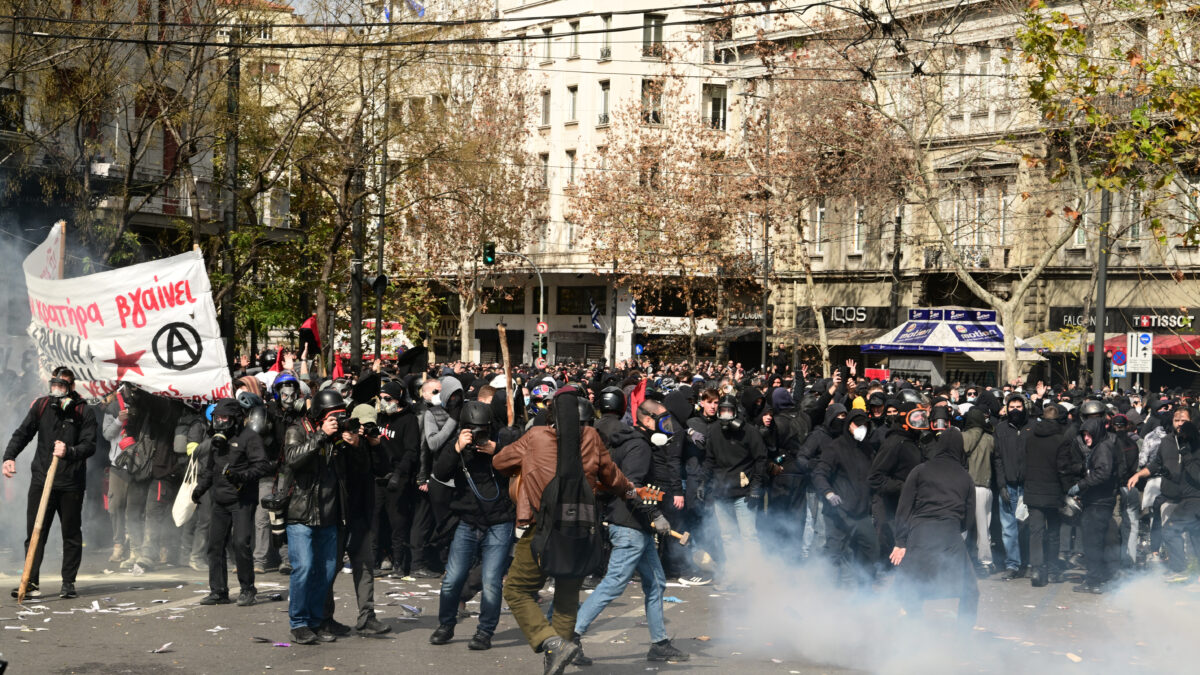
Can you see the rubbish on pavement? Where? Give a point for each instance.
(163, 649)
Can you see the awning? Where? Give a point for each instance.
(838, 337)
(945, 331)
(1164, 345)
(730, 332)
(993, 357)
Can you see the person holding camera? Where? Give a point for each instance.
(236, 460)
(486, 517)
(313, 497)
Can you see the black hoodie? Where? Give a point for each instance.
(634, 456)
(821, 437)
(730, 452)
(940, 489)
(1099, 484)
(845, 469)
(1047, 450)
(897, 457)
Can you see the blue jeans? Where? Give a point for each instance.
(470, 543)
(1009, 527)
(736, 520)
(631, 550)
(312, 552)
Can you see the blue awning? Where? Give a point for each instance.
(945, 331)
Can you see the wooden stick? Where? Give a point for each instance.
(37, 530)
(508, 399)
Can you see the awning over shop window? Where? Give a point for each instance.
(1164, 345)
(993, 357)
(730, 332)
(838, 337)
(945, 331)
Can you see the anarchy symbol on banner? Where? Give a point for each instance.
(177, 341)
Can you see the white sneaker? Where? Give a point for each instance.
(695, 581)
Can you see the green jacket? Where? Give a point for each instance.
(978, 445)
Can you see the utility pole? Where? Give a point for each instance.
(612, 323)
(766, 270)
(896, 267)
(233, 92)
(380, 282)
(357, 240)
(1101, 293)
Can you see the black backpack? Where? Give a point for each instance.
(569, 541)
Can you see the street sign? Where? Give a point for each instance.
(1139, 351)
(1118, 358)
(541, 327)
(1118, 371)
(638, 349)
(540, 363)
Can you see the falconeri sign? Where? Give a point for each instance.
(1125, 319)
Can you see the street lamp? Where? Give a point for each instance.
(766, 269)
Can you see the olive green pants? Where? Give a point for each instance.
(521, 586)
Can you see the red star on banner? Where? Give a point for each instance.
(125, 361)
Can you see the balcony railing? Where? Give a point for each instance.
(605, 53)
(602, 120)
(714, 121)
(972, 256)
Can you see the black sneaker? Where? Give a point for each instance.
(590, 581)
(247, 598)
(285, 569)
(304, 636)
(580, 659)
(443, 634)
(31, 591)
(665, 651)
(481, 642)
(425, 573)
(373, 626)
(1088, 588)
(334, 627)
(559, 654)
(68, 591)
(1009, 575)
(323, 635)
(1037, 578)
(215, 599)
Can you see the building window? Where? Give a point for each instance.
(819, 227)
(570, 167)
(1005, 214)
(1134, 213)
(606, 38)
(652, 35)
(545, 108)
(1084, 221)
(572, 103)
(570, 235)
(604, 89)
(714, 106)
(574, 39)
(860, 227)
(544, 158)
(522, 48)
(574, 300)
(546, 35)
(764, 19)
(652, 101)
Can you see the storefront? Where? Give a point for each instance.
(1176, 337)
(944, 345)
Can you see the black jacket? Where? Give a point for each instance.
(940, 489)
(1046, 452)
(897, 457)
(232, 470)
(845, 469)
(401, 441)
(634, 455)
(480, 495)
(1178, 463)
(819, 438)
(1099, 484)
(728, 453)
(68, 420)
(609, 425)
(1008, 459)
(314, 477)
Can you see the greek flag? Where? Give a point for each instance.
(633, 311)
(595, 314)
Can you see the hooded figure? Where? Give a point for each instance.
(897, 457)
(1097, 491)
(935, 508)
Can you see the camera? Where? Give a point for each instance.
(346, 423)
(370, 430)
(479, 437)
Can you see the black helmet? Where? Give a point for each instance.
(267, 359)
(475, 414)
(325, 402)
(611, 400)
(259, 422)
(911, 396)
(1092, 407)
(876, 399)
(587, 413)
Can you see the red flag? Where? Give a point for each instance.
(310, 324)
(278, 367)
(637, 396)
(337, 367)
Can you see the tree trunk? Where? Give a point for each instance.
(464, 330)
(1007, 313)
(822, 335)
(691, 312)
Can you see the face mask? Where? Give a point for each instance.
(389, 407)
(58, 393)
(859, 433)
(971, 399)
(1017, 417)
(659, 439)
(436, 399)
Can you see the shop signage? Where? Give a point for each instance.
(846, 316)
(1125, 319)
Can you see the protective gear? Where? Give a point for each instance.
(267, 360)
(435, 400)
(611, 401)
(1018, 417)
(248, 400)
(912, 396)
(833, 499)
(1071, 507)
(475, 414)
(876, 400)
(587, 413)
(727, 413)
(340, 385)
(1091, 407)
(661, 526)
(917, 419)
(259, 422)
(659, 439)
(325, 402)
(289, 392)
(389, 407)
(939, 418)
(860, 433)
(59, 387)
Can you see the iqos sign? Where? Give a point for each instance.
(848, 314)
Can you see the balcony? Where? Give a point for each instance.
(972, 257)
(605, 53)
(652, 50)
(602, 120)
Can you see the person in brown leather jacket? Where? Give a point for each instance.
(532, 461)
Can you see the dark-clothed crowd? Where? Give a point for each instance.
(463, 473)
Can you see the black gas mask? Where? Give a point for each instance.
(939, 419)
(727, 415)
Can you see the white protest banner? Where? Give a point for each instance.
(152, 324)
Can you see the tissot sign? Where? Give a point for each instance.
(1124, 319)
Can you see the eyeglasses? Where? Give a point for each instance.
(385, 397)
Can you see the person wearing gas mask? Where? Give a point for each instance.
(286, 406)
(236, 460)
(65, 429)
(1072, 471)
(1177, 463)
(933, 514)
(1008, 471)
(842, 478)
(611, 404)
(1046, 450)
(735, 464)
(1097, 491)
(400, 435)
(897, 457)
(786, 482)
(485, 516)
(260, 420)
(631, 531)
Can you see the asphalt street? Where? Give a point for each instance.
(120, 619)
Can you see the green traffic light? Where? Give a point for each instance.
(489, 253)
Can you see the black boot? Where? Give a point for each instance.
(665, 651)
(443, 634)
(559, 654)
(580, 659)
(481, 642)
(1038, 578)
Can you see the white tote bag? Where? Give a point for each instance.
(184, 507)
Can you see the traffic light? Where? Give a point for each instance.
(544, 349)
(489, 253)
(535, 348)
